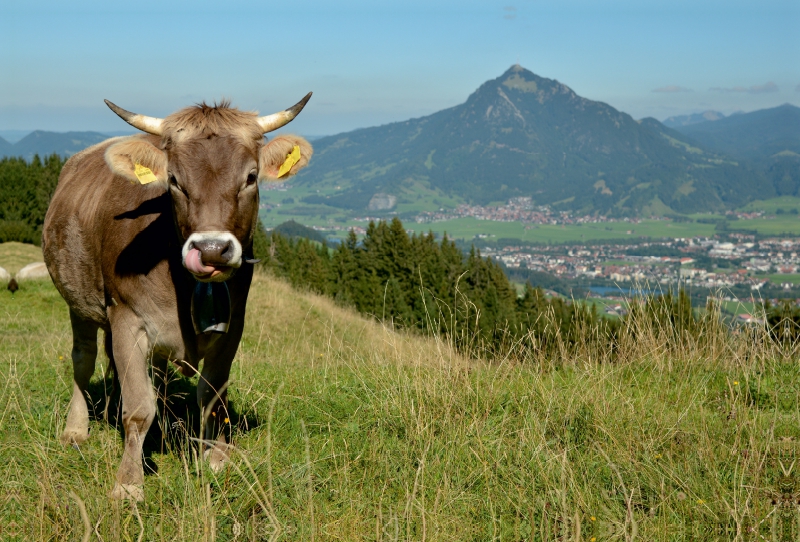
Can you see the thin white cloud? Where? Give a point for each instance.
(672, 88)
(766, 87)
(755, 89)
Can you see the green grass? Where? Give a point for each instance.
(781, 278)
(771, 206)
(779, 225)
(735, 308)
(600, 304)
(14, 256)
(348, 430)
(420, 199)
(467, 228)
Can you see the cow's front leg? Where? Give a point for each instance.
(84, 354)
(212, 395)
(131, 352)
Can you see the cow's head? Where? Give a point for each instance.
(210, 160)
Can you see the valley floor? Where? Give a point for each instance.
(347, 430)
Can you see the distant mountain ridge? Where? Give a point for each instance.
(46, 143)
(5, 147)
(754, 136)
(767, 140)
(525, 135)
(694, 118)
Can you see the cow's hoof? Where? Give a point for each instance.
(217, 456)
(130, 492)
(73, 437)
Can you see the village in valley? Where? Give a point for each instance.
(741, 266)
(734, 264)
(739, 269)
(710, 262)
(519, 209)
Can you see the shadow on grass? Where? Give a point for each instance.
(177, 422)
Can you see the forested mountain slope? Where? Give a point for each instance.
(767, 140)
(524, 135)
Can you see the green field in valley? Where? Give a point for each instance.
(288, 205)
(771, 206)
(468, 228)
(782, 278)
(785, 225)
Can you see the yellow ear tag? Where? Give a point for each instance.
(291, 159)
(144, 174)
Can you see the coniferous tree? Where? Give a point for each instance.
(415, 282)
(25, 192)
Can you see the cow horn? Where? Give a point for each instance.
(151, 125)
(276, 120)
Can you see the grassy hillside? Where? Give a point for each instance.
(347, 430)
(14, 256)
(786, 203)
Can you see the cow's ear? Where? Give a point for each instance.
(138, 160)
(283, 157)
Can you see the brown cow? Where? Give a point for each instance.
(140, 228)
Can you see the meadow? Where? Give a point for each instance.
(14, 256)
(468, 228)
(773, 205)
(779, 220)
(347, 429)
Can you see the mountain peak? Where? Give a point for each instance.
(522, 80)
(518, 73)
(520, 134)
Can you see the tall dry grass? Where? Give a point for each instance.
(347, 429)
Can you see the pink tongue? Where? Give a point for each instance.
(194, 264)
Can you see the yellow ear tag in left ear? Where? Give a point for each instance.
(144, 174)
(291, 159)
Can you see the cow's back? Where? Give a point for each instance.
(83, 233)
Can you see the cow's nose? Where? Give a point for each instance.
(215, 251)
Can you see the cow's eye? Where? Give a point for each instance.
(252, 179)
(173, 182)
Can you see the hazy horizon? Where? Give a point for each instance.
(373, 63)
(13, 136)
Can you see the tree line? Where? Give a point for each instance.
(417, 282)
(25, 192)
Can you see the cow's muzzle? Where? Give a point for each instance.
(212, 255)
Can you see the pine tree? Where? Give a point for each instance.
(416, 282)
(25, 192)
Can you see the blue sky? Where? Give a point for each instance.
(373, 62)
